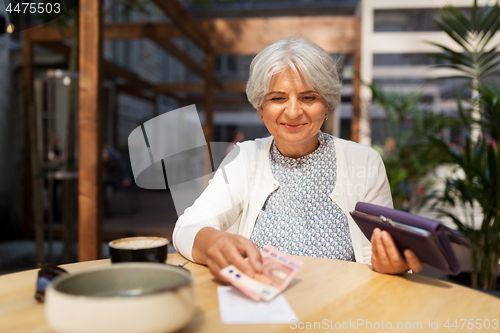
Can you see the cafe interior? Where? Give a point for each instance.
(76, 87)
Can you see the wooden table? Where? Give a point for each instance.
(334, 294)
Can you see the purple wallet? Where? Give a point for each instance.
(428, 239)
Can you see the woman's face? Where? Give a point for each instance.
(293, 113)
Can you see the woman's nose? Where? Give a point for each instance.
(293, 108)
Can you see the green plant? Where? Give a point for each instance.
(489, 97)
(477, 183)
(476, 59)
(406, 165)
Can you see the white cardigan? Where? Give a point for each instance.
(240, 187)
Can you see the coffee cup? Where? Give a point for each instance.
(139, 249)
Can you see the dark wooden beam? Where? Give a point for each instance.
(43, 33)
(56, 47)
(218, 100)
(32, 213)
(180, 87)
(208, 127)
(235, 87)
(158, 30)
(27, 104)
(116, 119)
(111, 31)
(356, 94)
(90, 194)
(186, 24)
(200, 87)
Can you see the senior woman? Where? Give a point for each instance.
(295, 189)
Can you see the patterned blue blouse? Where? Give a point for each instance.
(299, 218)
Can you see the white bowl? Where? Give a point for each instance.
(125, 297)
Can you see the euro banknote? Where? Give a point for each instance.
(252, 288)
(278, 270)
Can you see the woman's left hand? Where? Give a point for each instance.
(386, 257)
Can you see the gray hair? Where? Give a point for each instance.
(316, 66)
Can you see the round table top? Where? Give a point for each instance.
(332, 293)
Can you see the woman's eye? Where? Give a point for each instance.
(277, 98)
(310, 98)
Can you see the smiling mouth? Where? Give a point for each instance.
(293, 126)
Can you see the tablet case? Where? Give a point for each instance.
(428, 239)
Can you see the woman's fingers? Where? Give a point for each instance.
(379, 254)
(396, 261)
(232, 250)
(235, 256)
(217, 256)
(413, 261)
(249, 249)
(386, 257)
(375, 255)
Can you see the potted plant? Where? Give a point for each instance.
(477, 182)
(403, 153)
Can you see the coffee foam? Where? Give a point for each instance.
(137, 243)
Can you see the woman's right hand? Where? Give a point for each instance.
(219, 249)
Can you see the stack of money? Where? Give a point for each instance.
(278, 271)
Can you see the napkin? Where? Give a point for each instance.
(237, 309)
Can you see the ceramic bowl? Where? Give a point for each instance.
(124, 297)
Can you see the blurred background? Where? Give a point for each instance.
(411, 89)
